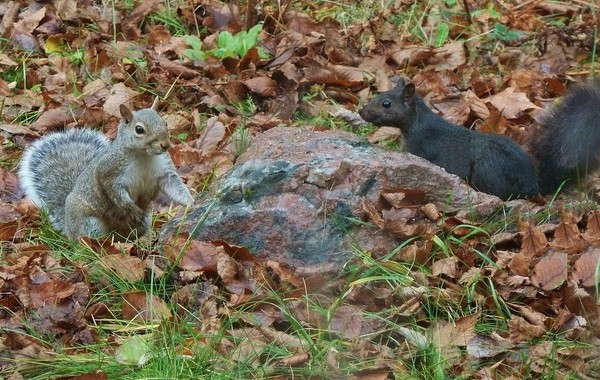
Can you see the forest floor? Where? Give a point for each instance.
(515, 299)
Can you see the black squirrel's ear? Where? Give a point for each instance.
(400, 82)
(126, 113)
(408, 93)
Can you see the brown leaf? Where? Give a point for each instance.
(199, 256)
(125, 267)
(96, 375)
(449, 57)
(119, 94)
(397, 222)
(487, 346)
(374, 216)
(294, 360)
(448, 335)
(534, 242)
(592, 232)
(51, 292)
(551, 271)
(227, 267)
(262, 86)
(384, 134)
(30, 19)
(585, 269)
(522, 331)
(512, 104)
(144, 307)
(413, 55)
(213, 134)
(347, 321)
(567, 236)
(447, 266)
(52, 119)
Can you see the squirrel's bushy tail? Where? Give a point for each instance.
(570, 145)
(51, 165)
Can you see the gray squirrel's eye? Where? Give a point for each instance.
(139, 129)
(386, 104)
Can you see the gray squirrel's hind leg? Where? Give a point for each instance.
(85, 226)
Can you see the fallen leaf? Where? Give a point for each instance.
(144, 307)
(587, 268)
(125, 267)
(512, 104)
(135, 351)
(551, 271)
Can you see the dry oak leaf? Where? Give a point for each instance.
(262, 86)
(411, 55)
(512, 104)
(521, 331)
(586, 268)
(551, 271)
(50, 293)
(371, 211)
(487, 346)
(567, 237)
(211, 137)
(348, 321)
(144, 307)
(534, 242)
(449, 56)
(447, 335)
(476, 105)
(448, 267)
(52, 119)
(119, 94)
(125, 267)
(383, 134)
(592, 233)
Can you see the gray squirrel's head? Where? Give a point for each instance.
(144, 130)
(391, 108)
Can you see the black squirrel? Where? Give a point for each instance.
(494, 164)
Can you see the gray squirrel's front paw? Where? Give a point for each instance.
(137, 217)
(174, 188)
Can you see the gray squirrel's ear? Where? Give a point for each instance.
(126, 113)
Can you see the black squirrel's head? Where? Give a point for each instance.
(394, 108)
(145, 130)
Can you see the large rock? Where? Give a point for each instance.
(298, 197)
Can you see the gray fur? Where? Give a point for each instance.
(92, 187)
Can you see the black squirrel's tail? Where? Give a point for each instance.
(51, 165)
(569, 148)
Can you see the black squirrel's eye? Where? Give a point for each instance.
(386, 104)
(139, 129)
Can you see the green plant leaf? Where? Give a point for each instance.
(441, 35)
(193, 41)
(134, 351)
(504, 34)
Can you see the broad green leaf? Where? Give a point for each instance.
(134, 351)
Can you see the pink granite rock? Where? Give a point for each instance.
(297, 196)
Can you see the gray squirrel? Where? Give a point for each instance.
(92, 187)
(568, 148)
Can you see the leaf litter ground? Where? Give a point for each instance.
(515, 299)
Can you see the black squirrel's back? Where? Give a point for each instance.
(569, 146)
(490, 163)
